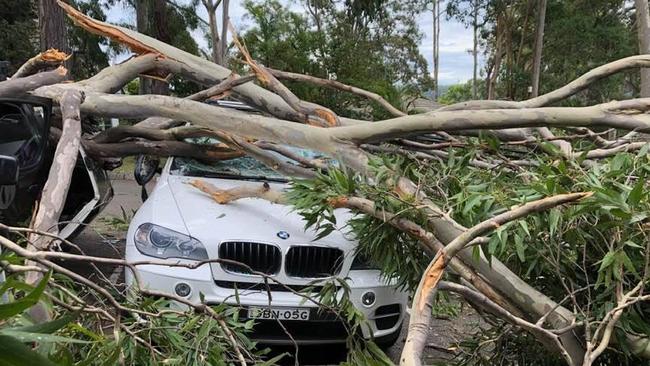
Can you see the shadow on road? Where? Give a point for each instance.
(311, 355)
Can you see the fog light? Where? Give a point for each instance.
(183, 289)
(368, 299)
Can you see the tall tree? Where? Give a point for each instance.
(19, 39)
(225, 20)
(643, 33)
(52, 26)
(539, 45)
(436, 46)
(219, 42)
(211, 7)
(469, 12)
(385, 49)
(475, 9)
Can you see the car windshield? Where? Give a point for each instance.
(244, 167)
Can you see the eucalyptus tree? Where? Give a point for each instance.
(544, 232)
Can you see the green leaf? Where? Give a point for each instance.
(26, 302)
(627, 263)
(15, 353)
(51, 326)
(554, 219)
(632, 244)
(636, 193)
(608, 259)
(521, 249)
(524, 225)
(471, 202)
(38, 337)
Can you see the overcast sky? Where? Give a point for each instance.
(455, 39)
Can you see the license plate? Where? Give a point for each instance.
(278, 313)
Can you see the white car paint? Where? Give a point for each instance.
(176, 205)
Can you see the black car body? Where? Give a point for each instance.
(25, 150)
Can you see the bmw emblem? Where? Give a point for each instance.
(283, 235)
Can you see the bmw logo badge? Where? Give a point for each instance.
(283, 235)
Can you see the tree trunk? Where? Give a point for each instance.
(52, 28)
(435, 49)
(643, 32)
(539, 45)
(151, 18)
(475, 50)
(224, 31)
(143, 25)
(160, 19)
(437, 60)
(214, 31)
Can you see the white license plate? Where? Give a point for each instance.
(255, 312)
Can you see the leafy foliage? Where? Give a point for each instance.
(77, 337)
(588, 249)
(375, 48)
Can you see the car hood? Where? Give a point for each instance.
(248, 219)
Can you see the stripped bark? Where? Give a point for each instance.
(224, 196)
(60, 176)
(421, 310)
(56, 187)
(310, 112)
(48, 59)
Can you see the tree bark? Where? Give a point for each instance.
(52, 27)
(211, 8)
(435, 49)
(143, 25)
(60, 176)
(225, 19)
(475, 50)
(17, 86)
(643, 33)
(539, 45)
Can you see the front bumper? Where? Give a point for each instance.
(384, 316)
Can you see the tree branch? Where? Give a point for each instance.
(21, 85)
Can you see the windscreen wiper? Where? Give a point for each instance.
(244, 177)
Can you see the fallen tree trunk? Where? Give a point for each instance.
(242, 132)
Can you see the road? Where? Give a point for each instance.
(104, 237)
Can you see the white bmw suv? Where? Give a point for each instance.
(179, 222)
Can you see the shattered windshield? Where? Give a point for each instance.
(244, 167)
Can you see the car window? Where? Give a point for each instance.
(243, 167)
(19, 137)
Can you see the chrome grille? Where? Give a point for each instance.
(313, 262)
(260, 257)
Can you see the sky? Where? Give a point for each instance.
(455, 39)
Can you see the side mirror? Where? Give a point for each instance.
(8, 170)
(146, 168)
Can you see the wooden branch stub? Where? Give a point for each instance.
(431, 278)
(225, 196)
(43, 60)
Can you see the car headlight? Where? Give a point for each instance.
(360, 262)
(160, 242)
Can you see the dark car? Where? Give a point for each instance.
(25, 158)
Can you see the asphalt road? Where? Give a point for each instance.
(105, 237)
